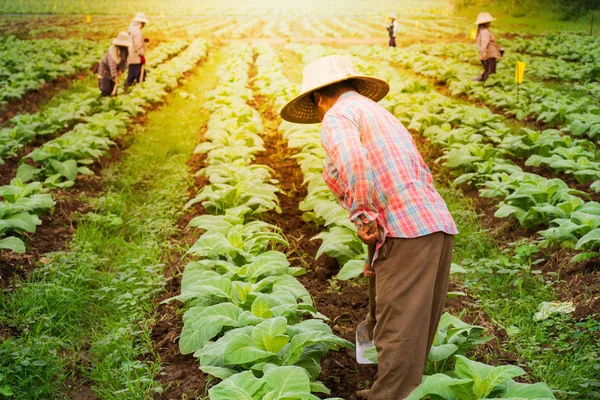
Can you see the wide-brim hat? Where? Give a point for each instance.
(122, 39)
(393, 15)
(484, 18)
(140, 17)
(324, 72)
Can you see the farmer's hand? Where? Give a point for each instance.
(368, 233)
(143, 59)
(368, 269)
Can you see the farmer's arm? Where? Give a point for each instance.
(395, 32)
(113, 69)
(346, 152)
(484, 41)
(138, 43)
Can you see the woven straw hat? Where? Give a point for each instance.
(484, 18)
(122, 40)
(325, 72)
(140, 17)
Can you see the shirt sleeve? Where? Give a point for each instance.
(483, 42)
(112, 66)
(346, 153)
(138, 43)
(331, 177)
(395, 33)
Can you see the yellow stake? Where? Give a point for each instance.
(519, 75)
(519, 72)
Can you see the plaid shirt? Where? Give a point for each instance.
(375, 170)
(108, 68)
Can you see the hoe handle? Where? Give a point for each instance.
(372, 287)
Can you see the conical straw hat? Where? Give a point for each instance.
(325, 72)
(484, 18)
(122, 40)
(140, 17)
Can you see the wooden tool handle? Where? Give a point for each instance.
(372, 286)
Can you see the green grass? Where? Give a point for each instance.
(505, 285)
(528, 17)
(85, 316)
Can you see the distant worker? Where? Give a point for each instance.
(137, 58)
(393, 30)
(489, 51)
(374, 169)
(113, 65)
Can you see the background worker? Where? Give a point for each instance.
(374, 169)
(392, 30)
(489, 51)
(137, 58)
(113, 64)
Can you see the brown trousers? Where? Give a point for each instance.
(412, 282)
(489, 68)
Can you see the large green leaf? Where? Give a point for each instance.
(26, 172)
(242, 386)
(538, 391)
(23, 221)
(217, 289)
(485, 378)
(270, 335)
(13, 244)
(350, 270)
(202, 324)
(242, 349)
(590, 241)
(67, 168)
(439, 385)
(442, 352)
(288, 379)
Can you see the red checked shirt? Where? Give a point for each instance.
(374, 169)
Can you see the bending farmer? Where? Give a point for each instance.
(375, 170)
(113, 64)
(489, 51)
(137, 58)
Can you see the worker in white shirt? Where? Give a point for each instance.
(393, 30)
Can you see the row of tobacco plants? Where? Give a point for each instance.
(248, 320)
(27, 64)
(81, 321)
(480, 147)
(92, 125)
